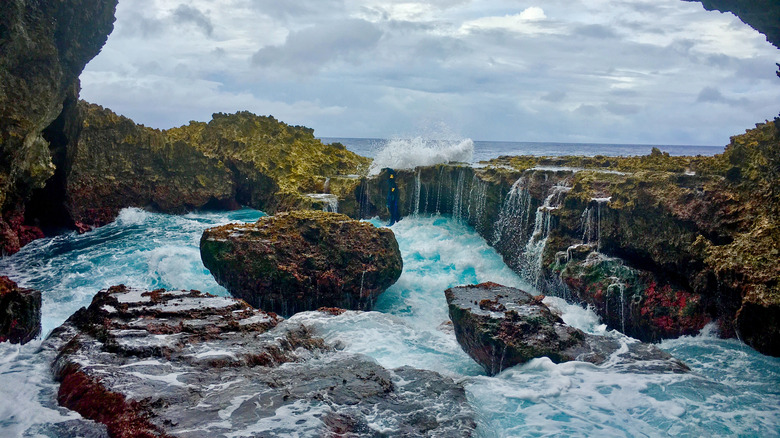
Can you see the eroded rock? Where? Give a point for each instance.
(303, 260)
(501, 327)
(20, 312)
(187, 364)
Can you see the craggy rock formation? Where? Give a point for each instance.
(762, 15)
(184, 363)
(44, 46)
(676, 241)
(114, 163)
(235, 159)
(274, 164)
(20, 313)
(303, 260)
(501, 327)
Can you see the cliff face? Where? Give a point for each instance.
(235, 159)
(114, 163)
(44, 46)
(658, 245)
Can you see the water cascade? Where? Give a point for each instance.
(330, 202)
(619, 287)
(457, 198)
(417, 190)
(477, 200)
(514, 213)
(590, 222)
(531, 258)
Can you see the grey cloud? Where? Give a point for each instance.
(296, 9)
(621, 109)
(713, 95)
(136, 24)
(554, 96)
(185, 14)
(307, 50)
(595, 31)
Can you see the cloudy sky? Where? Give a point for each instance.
(614, 71)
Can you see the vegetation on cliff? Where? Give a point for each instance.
(235, 159)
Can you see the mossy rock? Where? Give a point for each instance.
(303, 260)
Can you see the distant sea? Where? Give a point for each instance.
(485, 150)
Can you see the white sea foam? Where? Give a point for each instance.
(731, 391)
(418, 151)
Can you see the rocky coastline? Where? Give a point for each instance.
(659, 246)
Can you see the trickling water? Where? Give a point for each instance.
(515, 212)
(531, 258)
(477, 200)
(330, 202)
(457, 198)
(417, 187)
(621, 290)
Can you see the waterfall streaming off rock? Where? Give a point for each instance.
(531, 259)
(515, 212)
(457, 201)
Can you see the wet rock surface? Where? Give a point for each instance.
(187, 364)
(303, 260)
(501, 327)
(20, 312)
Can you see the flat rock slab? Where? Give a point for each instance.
(20, 312)
(501, 327)
(303, 260)
(187, 364)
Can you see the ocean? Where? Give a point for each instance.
(731, 391)
(485, 150)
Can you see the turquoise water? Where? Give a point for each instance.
(732, 391)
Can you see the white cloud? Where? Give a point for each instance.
(639, 71)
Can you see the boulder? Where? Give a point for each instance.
(303, 260)
(185, 364)
(501, 327)
(20, 312)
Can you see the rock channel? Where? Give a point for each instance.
(188, 364)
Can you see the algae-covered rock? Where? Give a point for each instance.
(183, 363)
(20, 312)
(261, 149)
(633, 301)
(235, 159)
(303, 260)
(501, 327)
(115, 163)
(44, 46)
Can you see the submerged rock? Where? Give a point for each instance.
(501, 327)
(186, 364)
(20, 312)
(303, 260)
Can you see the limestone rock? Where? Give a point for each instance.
(185, 364)
(20, 312)
(303, 260)
(45, 46)
(114, 163)
(501, 327)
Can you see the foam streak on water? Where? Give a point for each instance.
(731, 391)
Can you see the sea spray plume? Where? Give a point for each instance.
(409, 153)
